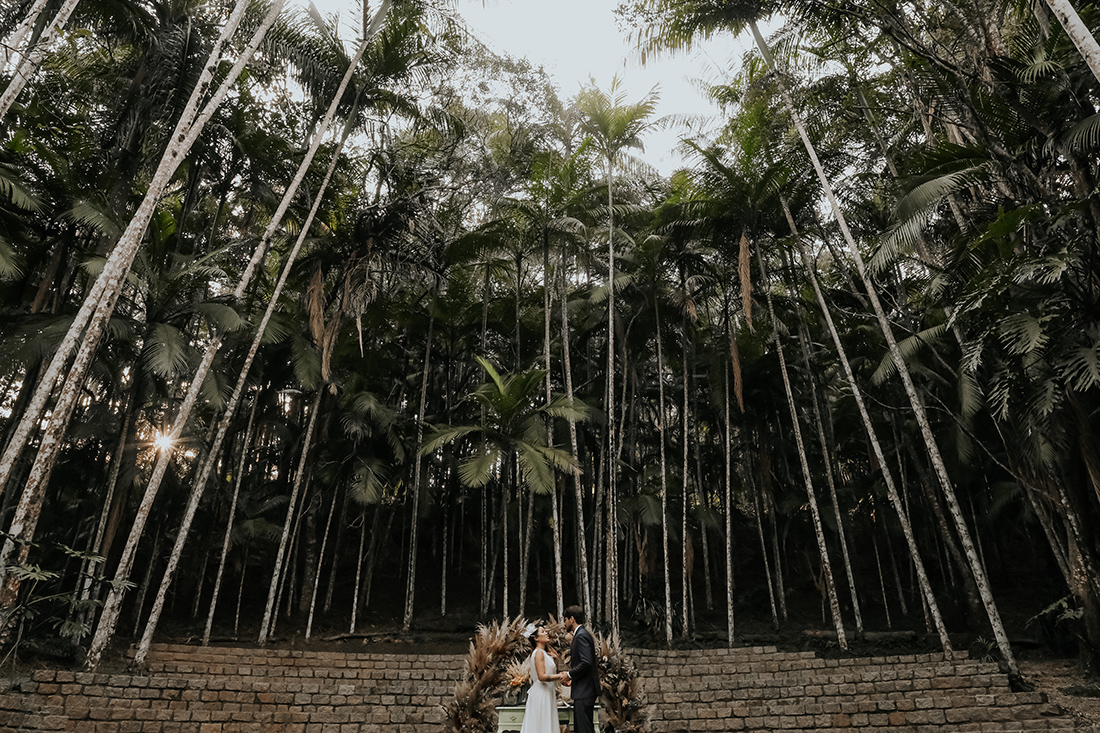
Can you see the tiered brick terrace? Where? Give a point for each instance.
(228, 690)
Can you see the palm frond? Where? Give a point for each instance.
(166, 351)
(477, 470)
(909, 347)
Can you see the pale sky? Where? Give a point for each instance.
(578, 40)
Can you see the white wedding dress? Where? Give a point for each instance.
(541, 714)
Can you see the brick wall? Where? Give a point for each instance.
(219, 690)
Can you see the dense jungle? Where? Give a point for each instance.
(303, 335)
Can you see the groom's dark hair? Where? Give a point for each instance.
(574, 612)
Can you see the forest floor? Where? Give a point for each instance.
(1065, 685)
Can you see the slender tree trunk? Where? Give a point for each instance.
(578, 486)
(1079, 33)
(359, 568)
(728, 452)
(240, 588)
(267, 624)
(330, 586)
(548, 279)
(819, 533)
(228, 535)
(661, 419)
(611, 538)
(90, 565)
(414, 526)
(872, 436)
(320, 562)
(686, 630)
(210, 463)
(828, 470)
(882, 582)
(903, 371)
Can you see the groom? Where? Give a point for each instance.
(584, 678)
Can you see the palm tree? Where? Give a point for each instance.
(512, 440)
(613, 125)
(99, 304)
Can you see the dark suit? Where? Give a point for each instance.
(585, 676)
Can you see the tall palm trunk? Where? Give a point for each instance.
(829, 478)
(410, 587)
(299, 480)
(97, 309)
(1079, 33)
(661, 418)
(227, 536)
(931, 445)
(686, 630)
(320, 563)
(611, 538)
(819, 533)
(872, 436)
(578, 486)
(547, 302)
(728, 508)
(199, 487)
(358, 569)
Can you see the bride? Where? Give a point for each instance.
(541, 714)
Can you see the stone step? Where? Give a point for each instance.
(192, 689)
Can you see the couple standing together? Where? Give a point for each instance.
(541, 713)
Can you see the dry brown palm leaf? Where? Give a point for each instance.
(493, 652)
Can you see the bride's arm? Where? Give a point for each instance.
(540, 668)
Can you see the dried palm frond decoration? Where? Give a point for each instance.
(622, 698)
(495, 653)
(496, 663)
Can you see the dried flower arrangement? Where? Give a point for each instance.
(624, 707)
(496, 663)
(494, 652)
